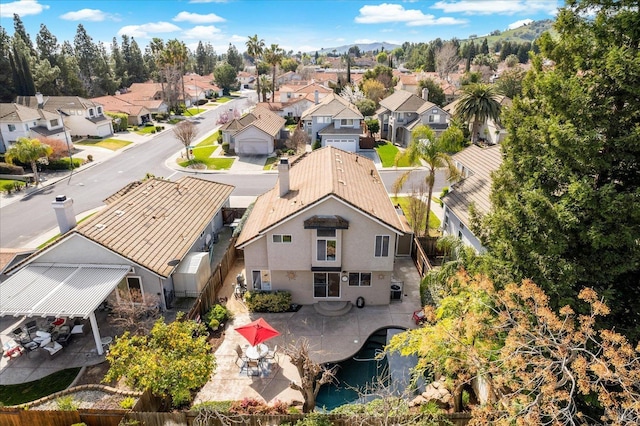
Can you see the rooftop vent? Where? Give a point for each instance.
(61, 197)
(100, 226)
(119, 212)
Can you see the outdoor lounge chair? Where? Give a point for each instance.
(31, 326)
(64, 334)
(53, 348)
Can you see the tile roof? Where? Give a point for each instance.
(402, 101)
(476, 188)
(55, 103)
(261, 118)
(334, 106)
(315, 176)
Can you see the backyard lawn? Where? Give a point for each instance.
(387, 153)
(26, 392)
(112, 144)
(434, 222)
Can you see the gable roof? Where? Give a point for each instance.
(476, 188)
(316, 176)
(55, 103)
(334, 106)
(402, 101)
(261, 118)
(14, 112)
(154, 222)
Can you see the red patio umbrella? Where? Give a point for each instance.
(257, 331)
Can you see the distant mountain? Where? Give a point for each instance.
(521, 34)
(364, 47)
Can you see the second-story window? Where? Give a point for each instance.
(54, 122)
(326, 245)
(382, 246)
(346, 122)
(99, 110)
(277, 238)
(12, 128)
(91, 113)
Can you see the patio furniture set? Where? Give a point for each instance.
(52, 336)
(256, 356)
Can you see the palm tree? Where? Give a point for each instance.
(479, 102)
(27, 150)
(255, 49)
(425, 147)
(273, 55)
(266, 82)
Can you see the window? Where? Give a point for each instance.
(346, 122)
(382, 246)
(434, 119)
(99, 110)
(261, 280)
(54, 122)
(326, 284)
(326, 245)
(91, 113)
(130, 289)
(281, 238)
(12, 128)
(446, 221)
(324, 119)
(359, 279)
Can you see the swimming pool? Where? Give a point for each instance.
(356, 376)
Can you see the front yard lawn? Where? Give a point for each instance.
(434, 222)
(223, 100)
(112, 144)
(202, 155)
(30, 391)
(268, 165)
(387, 153)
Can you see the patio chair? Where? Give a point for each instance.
(253, 367)
(64, 335)
(240, 357)
(273, 355)
(32, 326)
(53, 348)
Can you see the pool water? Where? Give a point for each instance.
(358, 375)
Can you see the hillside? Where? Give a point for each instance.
(521, 34)
(364, 47)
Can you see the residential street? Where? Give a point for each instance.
(32, 215)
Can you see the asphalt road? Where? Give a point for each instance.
(25, 220)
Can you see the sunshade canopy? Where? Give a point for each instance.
(257, 331)
(62, 290)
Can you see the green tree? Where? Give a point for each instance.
(478, 103)
(28, 151)
(367, 107)
(47, 45)
(273, 56)
(373, 127)
(255, 49)
(382, 58)
(510, 82)
(172, 361)
(566, 210)
(7, 87)
(435, 92)
(234, 58)
(289, 64)
(226, 77)
(427, 148)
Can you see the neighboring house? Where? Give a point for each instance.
(292, 100)
(82, 117)
(490, 132)
(327, 231)
(136, 114)
(401, 112)
(254, 133)
(135, 247)
(148, 95)
(17, 121)
(288, 77)
(247, 80)
(335, 122)
(476, 165)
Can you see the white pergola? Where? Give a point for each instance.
(60, 290)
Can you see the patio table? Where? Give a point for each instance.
(257, 352)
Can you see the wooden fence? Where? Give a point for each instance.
(420, 257)
(209, 295)
(15, 416)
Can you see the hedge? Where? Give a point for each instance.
(10, 169)
(63, 164)
(268, 301)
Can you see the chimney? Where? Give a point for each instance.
(40, 100)
(425, 94)
(316, 97)
(63, 207)
(283, 176)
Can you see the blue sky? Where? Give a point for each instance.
(295, 25)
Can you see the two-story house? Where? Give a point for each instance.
(401, 112)
(293, 99)
(475, 164)
(334, 121)
(17, 121)
(82, 117)
(132, 249)
(326, 232)
(254, 133)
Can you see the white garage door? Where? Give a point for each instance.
(252, 147)
(344, 144)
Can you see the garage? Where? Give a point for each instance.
(344, 144)
(252, 147)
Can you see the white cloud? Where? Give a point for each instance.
(238, 39)
(197, 18)
(144, 30)
(386, 13)
(91, 15)
(203, 32)
(519, 24)
(501, 7)
(22, 8)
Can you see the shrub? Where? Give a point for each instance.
(314, 419)
(89, 158)
(12, 186)
(317, 144)
(10, 169)
(219, 137)
(219, 406)
(128, 403)
(63, 164)
(66, 403)
(444, 192)
(268, 301)
(217, 315)
(225, 147)
(253, 406)
(159, 128)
